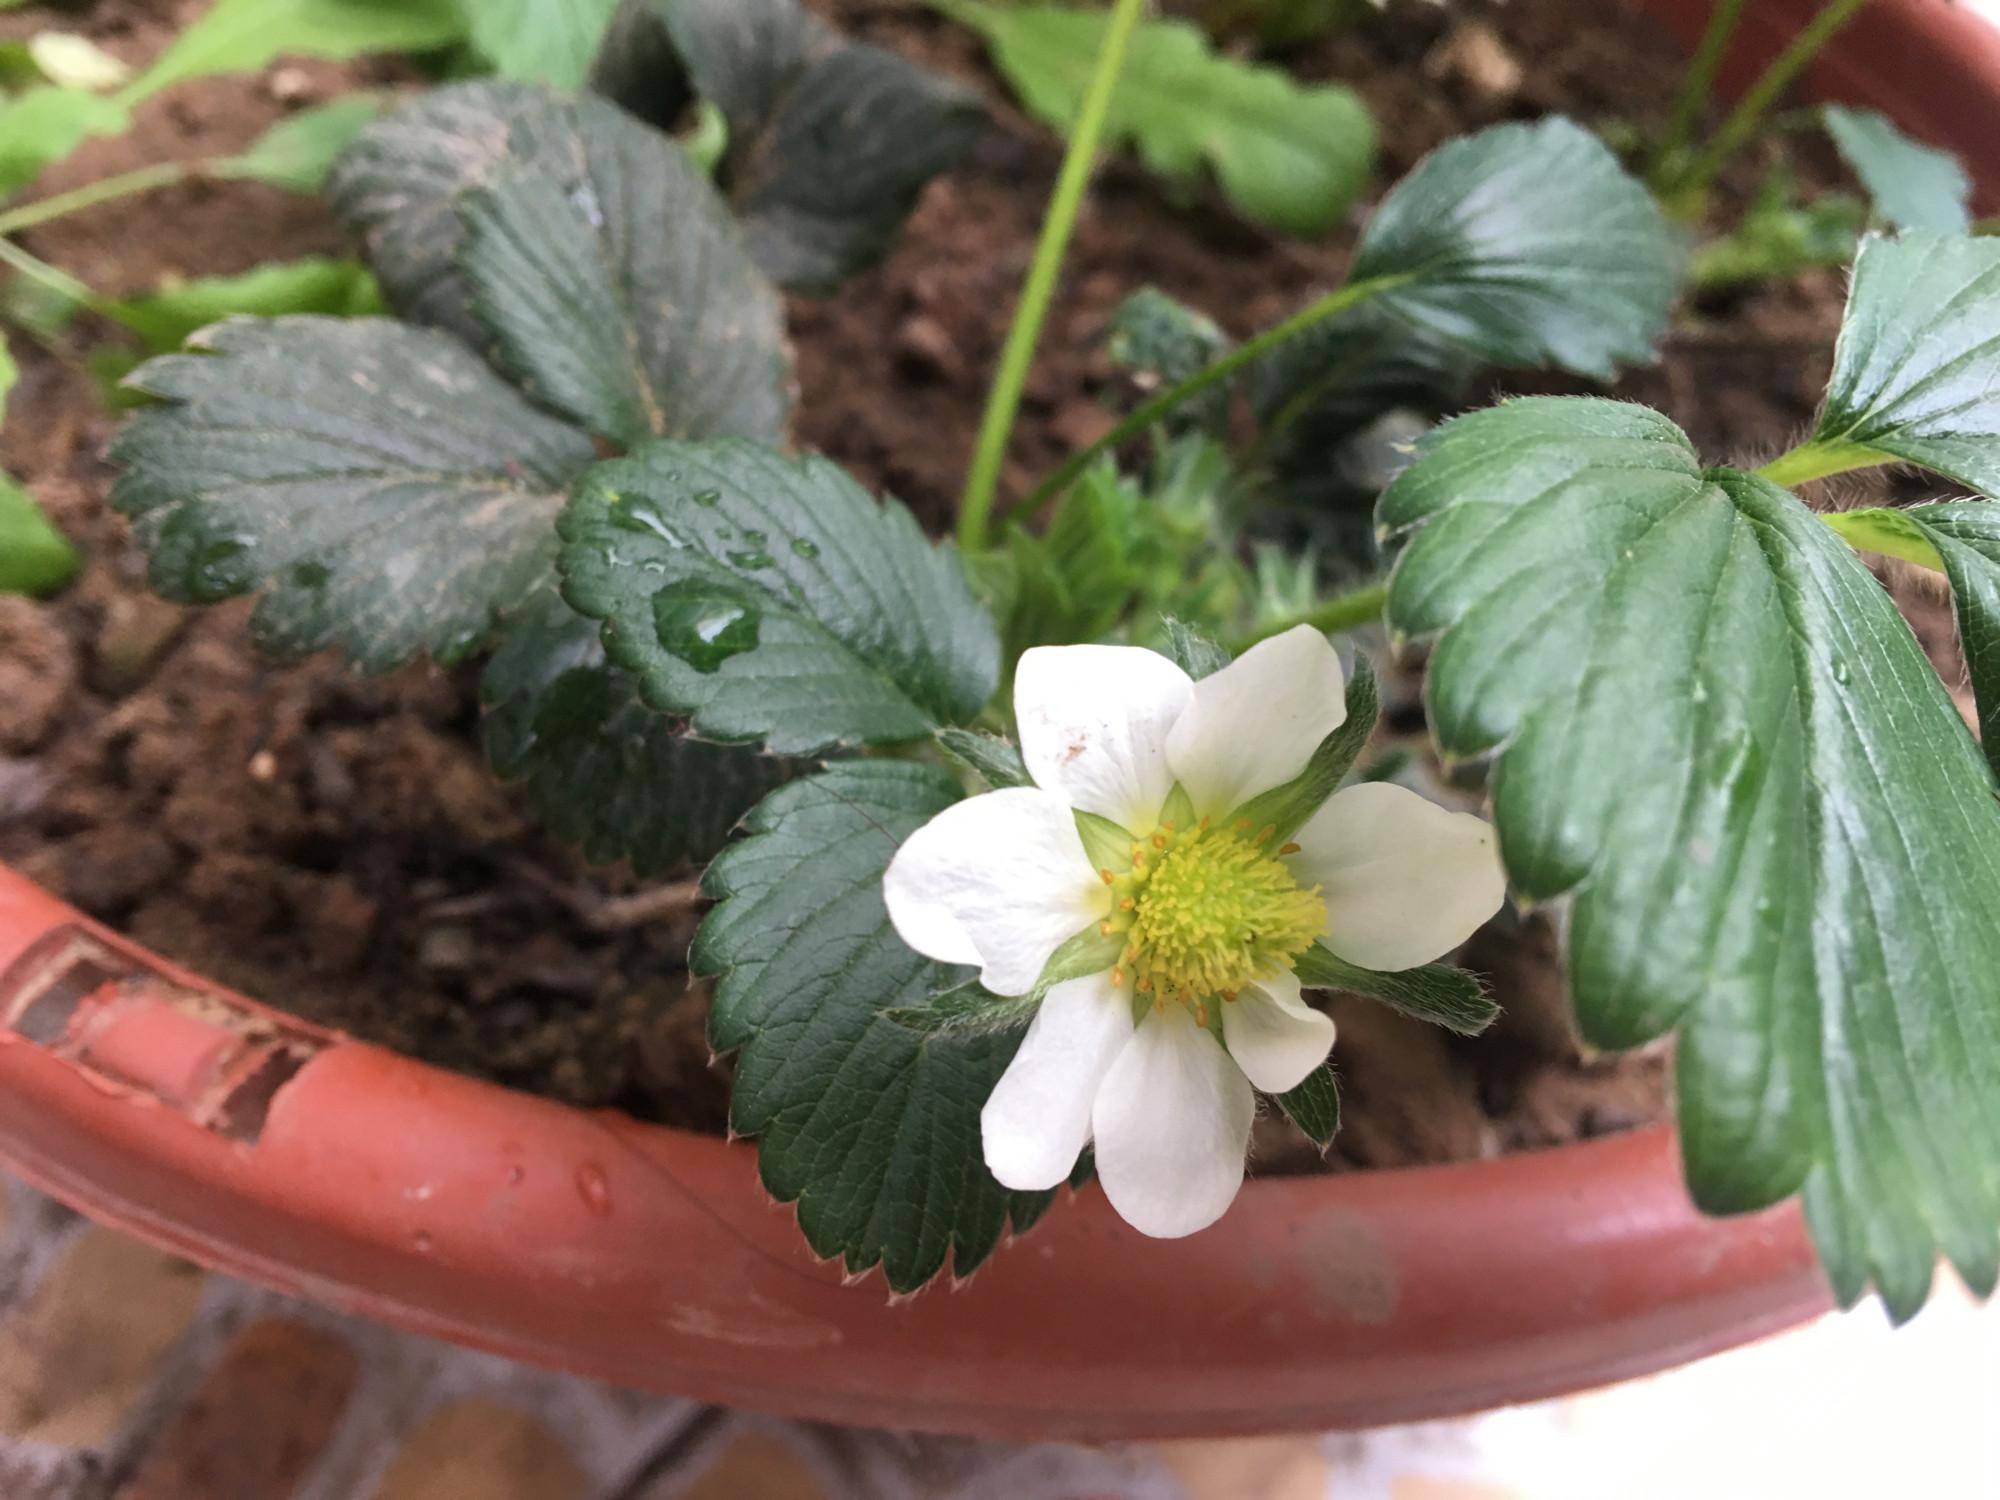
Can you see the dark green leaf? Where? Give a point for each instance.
(997, 761)
(35, 558)
(1526, 245)
(1314, 1106)
(1164, 342)
(830, 141)
(386, 492)
(1963, 539)
(586, 245)
(605, 772)
(1715, 732)
(1914, 186)
(1438, 994)
(773, 599)
(1288, 155)
(869, 1126)
(299, 151)
(1912, 371)
(539, 41)
(1286, 808)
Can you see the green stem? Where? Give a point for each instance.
(60, 282)
(140, 180)
(1252, 350)
(1356, 607)
(1003, 403)
(1819, 458)
(1697, 85)
(1887, 532)
(1735, 131)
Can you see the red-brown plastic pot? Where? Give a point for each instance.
(159, 1103)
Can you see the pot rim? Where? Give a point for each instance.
(169, 1107)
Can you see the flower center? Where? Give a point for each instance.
(1206, 911)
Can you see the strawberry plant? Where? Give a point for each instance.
(1044, 835)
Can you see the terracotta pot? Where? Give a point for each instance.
(159, 1103)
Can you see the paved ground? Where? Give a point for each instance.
(126, 1374)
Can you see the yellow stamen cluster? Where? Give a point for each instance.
(1206, 911)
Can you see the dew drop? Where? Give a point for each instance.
(1841, 672)
(644, 516)
(710, 498)
(805, 548)
(751, 561)
(595, 1190)
(754, 537)
(702, 624)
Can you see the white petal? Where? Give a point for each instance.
(1037, 1119)
(1256, 723)
(1172, 1122)
(1405, 881)
(1094, 723)
(999, 880)
(1275, 1037)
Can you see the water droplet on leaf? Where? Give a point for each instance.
(752, 560)
(805, 548)
(702, 624)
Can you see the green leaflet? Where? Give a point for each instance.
(1526, 245)
(1289, 156)
(1714, 732)
(385, 491)
(299, 151)
(538, 41)
(868, 1124)
(772, 599)
(605, 772)
(1913, 186)
(35, 558)
(165, 319)
(1912, 370)
(1314, 1106)
(829, 140)
(583, 247)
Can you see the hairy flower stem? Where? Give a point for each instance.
(1247, 353)
(1003, 402)
(1742, 123)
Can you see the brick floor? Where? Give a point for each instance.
(126, 1374)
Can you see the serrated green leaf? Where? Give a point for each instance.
(1912, 369)
(1913, 186)
(773, 599)
(1964, 539)
(605, 772)
(830, 140)
(317, 284)
(996, 761)
(1717, 735)
(241, 36)
(584, 245)
(538, 41)
(1288, 155)
(1437, 994)
(869, 1126)
(35, 558)
(299, 151)
(385, 491)
(1314, 1106)
(1526, 245)
(43, 125)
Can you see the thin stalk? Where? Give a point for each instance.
(1698, 84)
(1357, 607)
(139, 180)
(60, 282)
(1736, 130)
(1003, 402)
(1818, 459)
(1246, 353)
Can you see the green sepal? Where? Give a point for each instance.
(1285, 809)
(1437, 993)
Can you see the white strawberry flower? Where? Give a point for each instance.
(1193, 1004)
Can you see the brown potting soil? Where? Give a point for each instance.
(336, 846)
